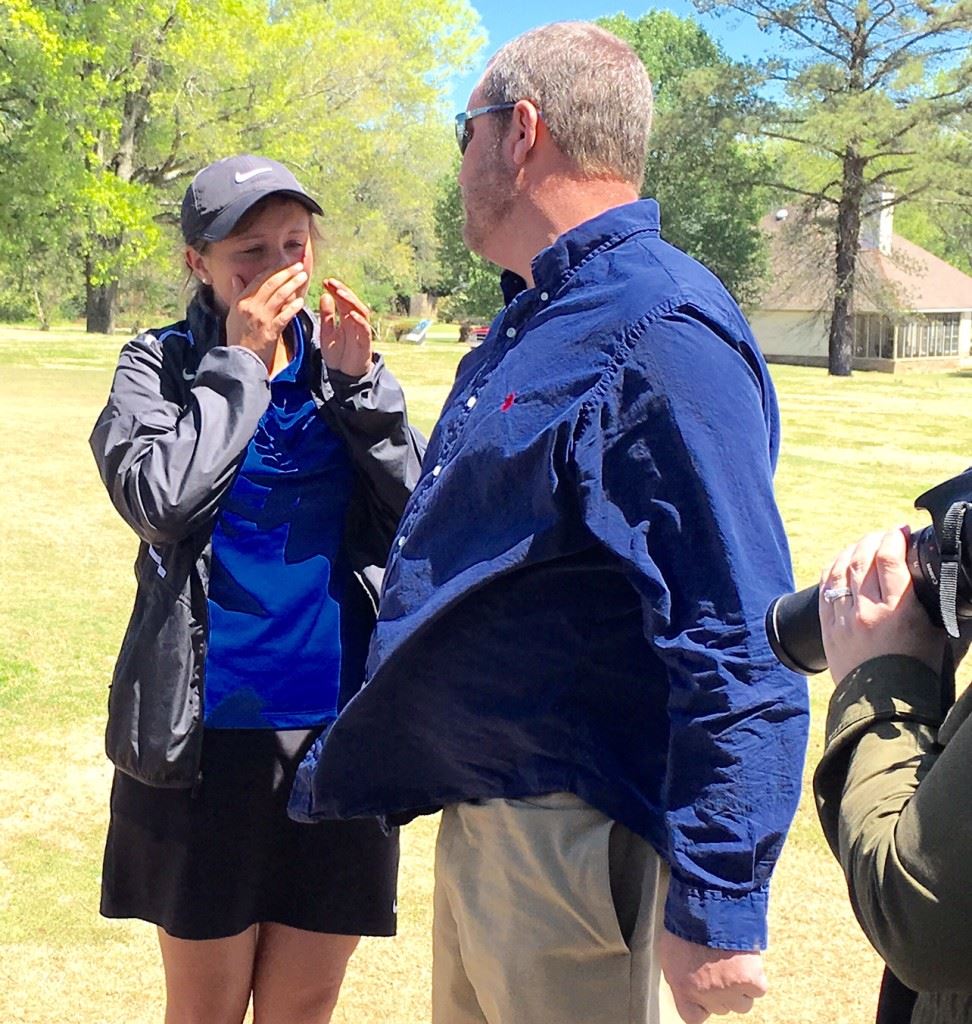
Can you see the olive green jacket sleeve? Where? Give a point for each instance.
(894, 796)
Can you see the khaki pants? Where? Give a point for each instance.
(546, 912)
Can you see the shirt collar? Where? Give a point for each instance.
(565, 254)
(292, 371)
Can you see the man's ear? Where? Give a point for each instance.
(524, 130)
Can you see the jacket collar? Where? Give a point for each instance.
(207, 326)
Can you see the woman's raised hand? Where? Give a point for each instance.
(345, 330)
(260, 311)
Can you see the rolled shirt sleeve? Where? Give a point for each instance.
(675, 454)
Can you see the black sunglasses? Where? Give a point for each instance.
(464, 128)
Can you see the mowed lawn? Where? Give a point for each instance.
(855, 453)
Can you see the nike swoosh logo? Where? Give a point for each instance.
(240, 177)
(188, 374)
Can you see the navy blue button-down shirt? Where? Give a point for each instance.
(576, 594)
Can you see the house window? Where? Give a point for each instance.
(929, 337)
(873, 336)
(886, 341)
(908, 340)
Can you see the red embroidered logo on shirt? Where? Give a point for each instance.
(508, 402)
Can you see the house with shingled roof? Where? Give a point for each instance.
(910, 309)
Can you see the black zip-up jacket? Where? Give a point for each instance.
(169, 443)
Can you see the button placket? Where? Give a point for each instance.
(455, 433)
(450, 439)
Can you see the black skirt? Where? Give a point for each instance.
(209, 863)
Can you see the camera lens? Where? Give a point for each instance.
(793, 620)
(793, 630)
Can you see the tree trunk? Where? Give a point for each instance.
(42, 315)
(99, 304)
(841, 340)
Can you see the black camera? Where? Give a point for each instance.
(940, 562)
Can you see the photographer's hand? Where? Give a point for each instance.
(881, 615)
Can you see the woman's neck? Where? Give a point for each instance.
(281, 356)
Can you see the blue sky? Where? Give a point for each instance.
(504, 19)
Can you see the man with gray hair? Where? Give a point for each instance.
(570, 657)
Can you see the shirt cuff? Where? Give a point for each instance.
(250, 354)
(349, 379)
(717, 919)
(221, 359)
(344, 386)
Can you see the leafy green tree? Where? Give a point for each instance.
(34, 204)
(874, 92)
(704, 173)
(113, 105)
(940, 218)
(469, 283)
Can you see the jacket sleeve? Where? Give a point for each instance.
(894, 807)
(675, 464)
(167, 465)
(370, 413)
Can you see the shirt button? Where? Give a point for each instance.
(401, 542)
(544, 296)
(511, 332)
(436, 470)
(470, 401)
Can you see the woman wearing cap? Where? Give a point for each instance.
(263, 459)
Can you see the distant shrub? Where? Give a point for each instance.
(393, 327)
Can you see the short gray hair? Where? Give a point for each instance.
(592, 91)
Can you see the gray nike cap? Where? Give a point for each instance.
(223, 191)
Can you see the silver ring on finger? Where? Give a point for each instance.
(832, 594)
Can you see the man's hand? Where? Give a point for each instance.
(705, 981)
(345, 330)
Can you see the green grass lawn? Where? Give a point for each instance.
(855, 453)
